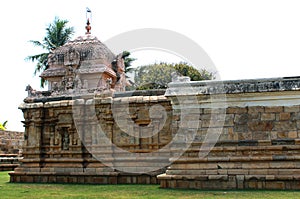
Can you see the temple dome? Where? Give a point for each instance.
(91, 50)
(85, 56)
(84, 51)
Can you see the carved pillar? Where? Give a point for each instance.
(52, 135)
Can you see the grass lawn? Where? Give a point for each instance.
(31, 191)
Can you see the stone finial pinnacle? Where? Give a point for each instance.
(88, 27)
(88, 17)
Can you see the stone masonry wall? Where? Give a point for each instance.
(258, 148)
(63, 140)
(211, 135)
(11, 142)
(245, 140)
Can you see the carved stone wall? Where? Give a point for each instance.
(63, 142)
(218, 135)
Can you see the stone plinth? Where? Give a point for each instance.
(248, 135)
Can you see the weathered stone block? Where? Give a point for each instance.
(218, 177)
(245, 136)
(211, 172)
(260, 135)
(228, 120)
(284, 116)
(267, 116)
(291, 109)
(295, 116)
(285, 126)
(251, 185)
(293, 134)
(275, 185)
(237, 110)
(241, 118)
(238, 171)
(182, 184)
(256, 165)
(240, 128)
(259, 171)
(282, 135)
(280, 165)
(255, 109)
(260, 125)
(273, 109)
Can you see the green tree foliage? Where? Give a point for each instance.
(57, 34)
(154, 76)
(3, 126)
(127, 62)
(158, 75)
(196, 75)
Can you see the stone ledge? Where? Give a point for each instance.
(233, 86)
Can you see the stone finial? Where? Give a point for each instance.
(88, 27)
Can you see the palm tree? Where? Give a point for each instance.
(127, 62)
(57, 34)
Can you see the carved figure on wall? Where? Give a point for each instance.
(63, 84)
(52, 59)
(108, 83)
(85, 84)
(69, 70)
(78, 83)
(65, 139)
(69, 83)
(32, 92)
(119, 68)
(72, 58)
(55, 88)
(29, 90)
(120, 63)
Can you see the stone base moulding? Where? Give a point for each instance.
(226, 182)
(81, 178)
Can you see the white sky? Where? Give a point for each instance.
(245, 39)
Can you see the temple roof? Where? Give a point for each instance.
(90, 54)
(90, 42)
(84, 65)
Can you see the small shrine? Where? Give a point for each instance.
(83, 65)
(72, 125)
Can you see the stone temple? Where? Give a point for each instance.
(241, 134)
(84, 65)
